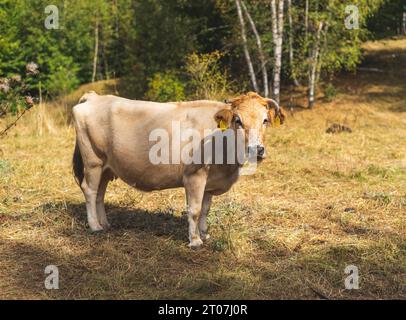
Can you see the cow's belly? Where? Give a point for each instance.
(140, 173)
(148, 177)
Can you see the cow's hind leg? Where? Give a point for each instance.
(203, 216)
(101, 210)
(90, 187)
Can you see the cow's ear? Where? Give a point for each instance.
(276, 113)
(224, 118)
(277, 117)
(281, 115)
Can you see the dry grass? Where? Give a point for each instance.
(319, 203)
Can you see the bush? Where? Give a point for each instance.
(14, 93)
(208, 81)
(330, 92)
(165, 87)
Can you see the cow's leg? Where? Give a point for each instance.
(203, 216)
(90, 187)
(194, 185)
(101, 210)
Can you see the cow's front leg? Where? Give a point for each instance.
(195, 184)
(203, 216)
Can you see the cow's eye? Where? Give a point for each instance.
(238, 122)
(266, 121)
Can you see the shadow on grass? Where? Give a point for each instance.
(139, 259)
(156, 223)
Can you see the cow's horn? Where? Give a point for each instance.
(277, 107)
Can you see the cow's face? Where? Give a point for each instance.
(249, 116)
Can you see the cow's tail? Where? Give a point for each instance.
(77, 164)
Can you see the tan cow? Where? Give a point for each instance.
(113, 140)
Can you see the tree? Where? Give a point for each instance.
(245, 46)
(260, 50)
(314, 63)
(277, 34)
(291, 58)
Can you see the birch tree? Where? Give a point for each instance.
(245, 46)
(277, 34)
(314, 60)
(96, 49)
(260, 50)
(291, 58)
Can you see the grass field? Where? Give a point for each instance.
(319, 202)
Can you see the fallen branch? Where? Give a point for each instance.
(4, 132)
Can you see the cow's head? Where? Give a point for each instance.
(251, 114)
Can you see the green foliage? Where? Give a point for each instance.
(208, 81)
(13, 91)
(165, 87)
(330, 92)
(63, 76)
(140, 39)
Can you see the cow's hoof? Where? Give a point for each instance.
(106, 226)
(96, 229)
(205, 236)
(195, 244)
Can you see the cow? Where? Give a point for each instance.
(113, 140)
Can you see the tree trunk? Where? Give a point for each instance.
(277, 33)
(245, 46)
(313, 66)
(291, 60)
(96, 50)
(404, 23)
(260, 50)
(306, 18)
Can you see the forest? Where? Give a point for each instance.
(179, 49)
(326, 204)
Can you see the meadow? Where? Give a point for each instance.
(318, 203)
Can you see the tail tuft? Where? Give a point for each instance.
(77, 164)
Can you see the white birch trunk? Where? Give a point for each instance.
(96, 50)
(260, 50)
(245, 46)
(277, 31)
(306, 18)
(313, 66)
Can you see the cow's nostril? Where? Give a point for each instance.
(260, 151)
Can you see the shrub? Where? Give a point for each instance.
(165, 87)
(330, 92)
(208, 81)
(13, 91)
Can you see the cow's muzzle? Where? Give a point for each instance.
(257, 151)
